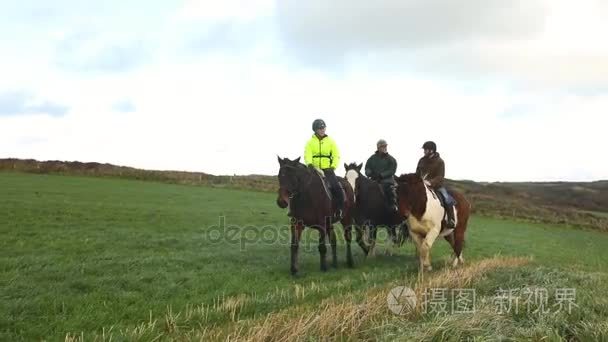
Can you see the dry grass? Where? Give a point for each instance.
(352, 317)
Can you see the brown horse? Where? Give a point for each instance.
(303, 189)
(424, 212)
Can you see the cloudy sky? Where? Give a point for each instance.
(509, 90)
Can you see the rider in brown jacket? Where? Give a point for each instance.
(432, 168)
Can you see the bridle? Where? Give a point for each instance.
(299, 185)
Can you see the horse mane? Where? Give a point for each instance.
(415, 193)
(409, 178)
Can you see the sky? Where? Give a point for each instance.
(509, 90)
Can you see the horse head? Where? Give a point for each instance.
(291, 179)
(353, 172)
(412, 195)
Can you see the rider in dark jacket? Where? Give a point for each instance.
(432, 168)
(381, 167)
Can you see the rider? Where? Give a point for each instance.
(322, 153)
(381, 167)
(432, 168)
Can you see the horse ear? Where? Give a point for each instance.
(345, 166)
(297, 160)
(280, 160)
(359, 167)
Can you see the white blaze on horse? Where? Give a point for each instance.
(425, 216)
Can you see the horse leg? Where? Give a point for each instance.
(418, 243)
(403, 232)
(373, 230)
(323, 233)
(296, 234)
(425, 248)
(459, 241)
(348, 232)
(332, 242)
(360, 240)
(450, 240)
(392, 232)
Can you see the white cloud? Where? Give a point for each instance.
(498, 101)
(551, 44)
(227, 10)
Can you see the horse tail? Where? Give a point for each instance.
(463, 207)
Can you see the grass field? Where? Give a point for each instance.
(109, 259)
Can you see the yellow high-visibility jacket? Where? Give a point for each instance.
(322, 153)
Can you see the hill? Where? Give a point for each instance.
(582, 204)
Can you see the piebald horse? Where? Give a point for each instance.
(420, 204)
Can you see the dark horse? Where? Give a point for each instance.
(302, 188)
(371, 209)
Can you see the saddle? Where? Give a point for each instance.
(437, 195)
(329, 192)
(327, 188)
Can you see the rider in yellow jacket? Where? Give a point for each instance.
(322, 152)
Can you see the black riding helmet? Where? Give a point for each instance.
(318, 124)
(429, 145)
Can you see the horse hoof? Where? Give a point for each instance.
(428, 268)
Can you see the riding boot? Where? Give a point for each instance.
(391, 195)
(339, 199)
(448, 204)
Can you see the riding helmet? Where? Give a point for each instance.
(429, 145)
(317, 124)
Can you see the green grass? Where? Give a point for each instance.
(88, 255)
